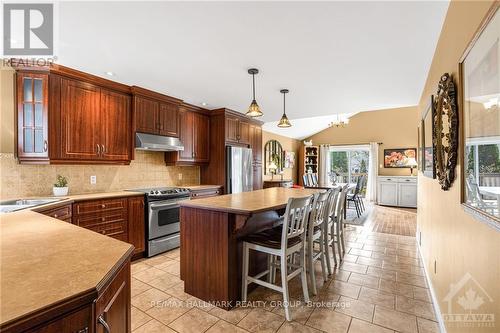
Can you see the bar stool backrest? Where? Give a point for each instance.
(305, 179)
(341, 203)
(332, 203)
(314, 179)
(319, 210)
(296, 218)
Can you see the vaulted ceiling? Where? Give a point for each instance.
(334, 57)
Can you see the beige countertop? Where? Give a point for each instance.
(250, 202)
(44, 260)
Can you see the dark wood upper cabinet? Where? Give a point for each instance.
(69, 117)
(244, 132)
(201, 125)
(80, 123)
(116, 130)
(237, 130)
(228, 127)
(187, 136)
(168, 119)
(146, 115)
(232, 129)
(256, 143)
(194, 134)
(32, 117)
(155, 113)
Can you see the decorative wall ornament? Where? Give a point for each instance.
(445, 133)
(274, 155)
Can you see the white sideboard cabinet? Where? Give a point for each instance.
(397, 191)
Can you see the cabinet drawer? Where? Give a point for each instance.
(90, 220)
(62, 213)
(407, 180)
(99, 206)
(116, 229)
(77, 321)
(205, 193)
(388, 179)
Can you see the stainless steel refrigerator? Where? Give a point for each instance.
(239, 175)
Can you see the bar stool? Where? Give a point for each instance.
(329, 227)
(281, 242)
(316, 235)
(339, 222)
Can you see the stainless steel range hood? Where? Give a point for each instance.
(152, 142)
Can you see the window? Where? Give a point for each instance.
(349, 163)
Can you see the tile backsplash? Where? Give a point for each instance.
(147, 170)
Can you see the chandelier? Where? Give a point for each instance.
(339, 121)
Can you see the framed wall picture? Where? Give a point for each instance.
(399, 158)
(480, 104)
(289, 159)
(420, 135)
(428, 167)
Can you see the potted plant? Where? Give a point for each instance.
(61, 186)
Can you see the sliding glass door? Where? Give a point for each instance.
(349, 163)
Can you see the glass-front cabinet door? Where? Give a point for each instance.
(32, 114)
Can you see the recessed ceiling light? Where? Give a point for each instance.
(110, 73)
(204, 104)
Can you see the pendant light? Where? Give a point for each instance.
(254, 109)
(284, 122)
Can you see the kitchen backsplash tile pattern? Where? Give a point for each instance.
(147, 170)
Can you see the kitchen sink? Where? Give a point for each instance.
(13, 205)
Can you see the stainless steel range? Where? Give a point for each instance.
(162, 214)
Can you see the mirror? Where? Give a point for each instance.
(445, 131)
(426, 144)
(273, 156)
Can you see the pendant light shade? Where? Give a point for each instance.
(254, 109)
(284, 122)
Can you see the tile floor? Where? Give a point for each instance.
(380, 287)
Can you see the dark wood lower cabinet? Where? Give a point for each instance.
(63, 212)
(112, 308)
(120, 218)
(107, 306)
(136, 225)
(205, 192)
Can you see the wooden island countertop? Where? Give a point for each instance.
(211, 236)
(247, 203)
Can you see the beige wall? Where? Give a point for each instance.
(458, 242)
(288, 144)
(16, 181)
(395, 128)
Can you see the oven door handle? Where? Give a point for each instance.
(164, 205)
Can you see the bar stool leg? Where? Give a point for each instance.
(323, 258)
(303, 274)
(327, 250)
(284, 284)
(338, 231)
(270, 268)
(310, 264)
(244, 283)
(332, 235)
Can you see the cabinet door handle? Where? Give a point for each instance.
(98, 149)
(103, 150)
(45, 145)
(104, 324)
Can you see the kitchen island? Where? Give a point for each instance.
(58, 277)
(211, 232)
